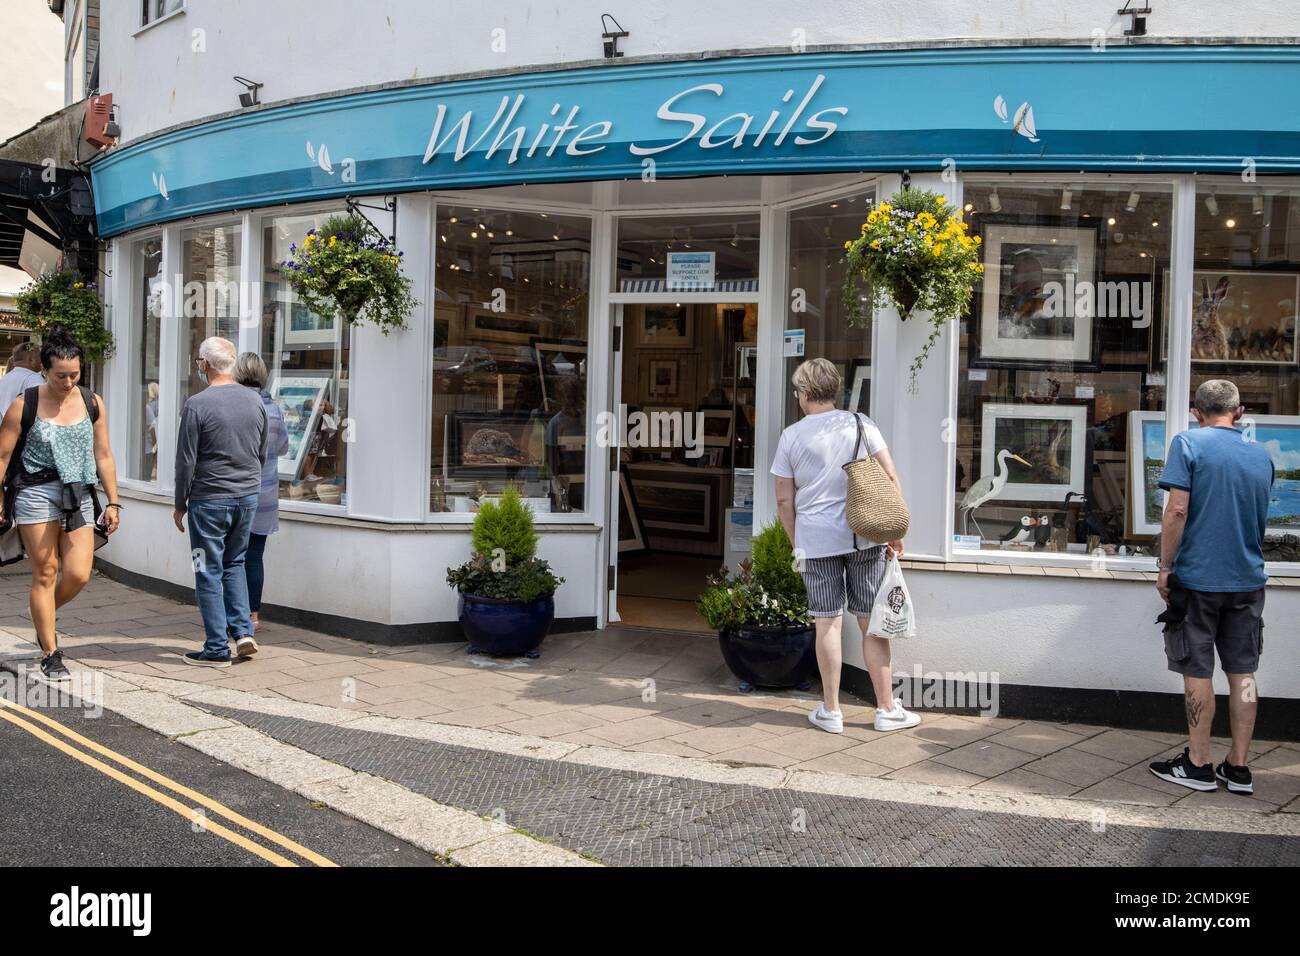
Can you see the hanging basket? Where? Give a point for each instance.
(913, 253)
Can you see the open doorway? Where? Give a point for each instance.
(685, 475)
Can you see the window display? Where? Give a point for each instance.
(1062, 370)
(307, 357)
(1245, 303)
(814, 293)
(510, 358)
(142, 455)
(210, 296)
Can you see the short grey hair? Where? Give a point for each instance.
(250, 370)
(218, 353)
(1218, 396)
(820, 380)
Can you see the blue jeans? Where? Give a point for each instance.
(256, 569)
(219, 529)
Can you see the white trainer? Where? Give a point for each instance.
(831, 721)
(897, 719)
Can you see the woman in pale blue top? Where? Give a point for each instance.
(250, 370)
(49, 490)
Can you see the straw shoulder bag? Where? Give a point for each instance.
(874, 507)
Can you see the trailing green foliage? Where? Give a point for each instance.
(63, 297)
(522, 582)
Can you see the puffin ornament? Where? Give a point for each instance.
(1018, 535)
(1043, 533)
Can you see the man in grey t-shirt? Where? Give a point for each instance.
(218, 475)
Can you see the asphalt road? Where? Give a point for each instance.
(57, 811)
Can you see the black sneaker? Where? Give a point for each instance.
(199, 659)
(1183, 772)
(1238, 779)
(52, 666)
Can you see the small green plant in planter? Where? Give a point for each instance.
(761, 616)
(346, 265)
(506, 591)
(63, 297)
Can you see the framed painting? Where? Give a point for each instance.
(562, 370)
(665, 326)
(484, 325)
(679, 504)
(718, 426)
(1240, 317)
(492, 444)
(662, 379)
(1146, 460)
(1280, 436)
(1052, 438)
(300, 397)
(858, 382)
(631, 533)
(1027, 304)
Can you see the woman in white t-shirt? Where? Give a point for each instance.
(811, 488)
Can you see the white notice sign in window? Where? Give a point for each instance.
(690, 271)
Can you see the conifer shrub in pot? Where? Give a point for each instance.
(761, 616)
(506, 592)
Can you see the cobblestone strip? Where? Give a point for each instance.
(629, 817)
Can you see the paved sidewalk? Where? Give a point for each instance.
(641, 691)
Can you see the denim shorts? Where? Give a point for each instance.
(37, 504)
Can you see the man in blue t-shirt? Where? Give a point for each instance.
(1212, 577)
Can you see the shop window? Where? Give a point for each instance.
(1245, 293)
(210, 262)
(154, 10)
(510, 358)
(814, 287)
(664, 254)
(307, 358)
(146, 320)
(1061, 396)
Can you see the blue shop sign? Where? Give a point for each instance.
(1136, 108)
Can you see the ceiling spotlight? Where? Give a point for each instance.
(1066, 196)
(1155, 223)
(995, 201)
(1132, 204)
(1257, 204)
(1230, 223)
(1110, 221)
(611, 37)
(1212, 204)
(970, 206)
(249, 97)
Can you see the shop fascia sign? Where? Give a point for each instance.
(580, 136)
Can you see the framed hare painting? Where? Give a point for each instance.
(1241, 317)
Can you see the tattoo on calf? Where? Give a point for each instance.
(1194, 708)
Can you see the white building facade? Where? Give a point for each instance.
(662, 231)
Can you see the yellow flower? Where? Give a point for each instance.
(941, 200)
(78, 285)
(937, 248)
(875, 243)
(848, 246)
(333, 239)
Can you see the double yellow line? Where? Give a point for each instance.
(7, 712)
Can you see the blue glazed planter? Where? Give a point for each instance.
(505, 628)
(770, 656)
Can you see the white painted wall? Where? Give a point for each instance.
(180, 70)
(1061, 632)
(390, 576)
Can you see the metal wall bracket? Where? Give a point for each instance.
(389, 206)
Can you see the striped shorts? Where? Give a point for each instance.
(824, 579)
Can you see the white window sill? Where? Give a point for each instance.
(153, 23)
(1117, 569)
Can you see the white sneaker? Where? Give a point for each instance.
(896, 719)
(245, 646)
(831, 721)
